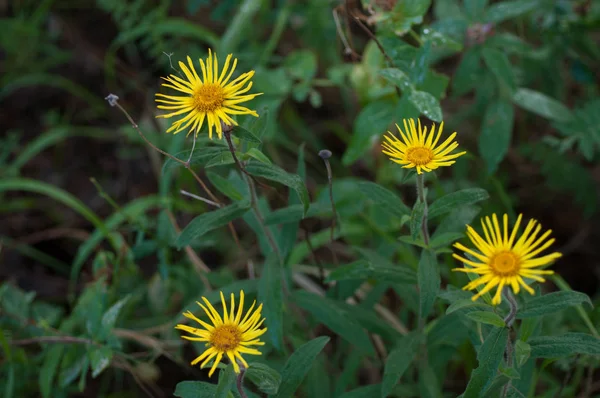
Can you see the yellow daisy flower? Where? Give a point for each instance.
(500, 261)
(213, 97)
(418, 149)
(230, 335)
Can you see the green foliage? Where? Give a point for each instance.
(106, 243)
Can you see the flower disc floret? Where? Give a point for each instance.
(500, 259)
(230, 335)
(418, 149)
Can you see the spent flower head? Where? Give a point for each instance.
(417, 149)
(213, 97)
(230, 335)
(503, 260)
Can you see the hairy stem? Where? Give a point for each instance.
(240, 382)
(508, 320)
(421, 198)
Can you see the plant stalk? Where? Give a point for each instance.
(421, 198)
(509, 320)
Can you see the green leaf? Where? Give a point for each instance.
(429, 282)
(100, 358)
(522, 352)
(109, 318)
(271, 295)
(363, 392)
(335, 317)
(195, 389)
(297, 366)
(226, 380)
(416, 219)
(301, 64)
(496, 131)
(221, 159)
(258, 155)
(371, 122)
(487, 317)
(489, 356)
(407, 13)
(225, 186)
(449, 202)
(384, 198)
(542, 105)
(427, 104)
(245, 135)
(565, 345)
(263, 377)
(200, 157)
(551, 303)
(295, 213)
(362, 269)
(398, 361)
(277, 174)
(467, 72)
(397, 77)
(498, 63)
(499, 12)
(465, 303)
(208, 221)
(52, 358)
(474, 9)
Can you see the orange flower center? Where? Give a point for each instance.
(226, 337)
(505, 264)
(419, 156)
(209, 97)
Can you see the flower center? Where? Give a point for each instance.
(209, 97)
(420, 156)
(505, 264)
(226, 337)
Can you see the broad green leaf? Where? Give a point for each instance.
(465, 303)
(271, 295)
(245, 135)
(195, 389)
(398, 78)
(522, 352)
(220, 159)
(398, 361)
(496, 132)
(486, 317)
(109, 318)
(225, 186)
(371, 122)
(263, 377)
(416, 219)
(100, 358)
(277, 174)
(405, 14)
(258, 155)
(542, 105)
(456, 199)
(200, 157)
(258, 125)
(297, 366)
(551, 303)
(366, 270)
(467, 72)
(295, 213)
(226, 380)
(429, 282)
(489, 357)
(429, 385)
(427, 104)
(369, 391)
(208, 221)
(565, 345)
(301, 64)
(384, 198)
(474, 9)
(499, 12)
(335, 317)
(498, 63)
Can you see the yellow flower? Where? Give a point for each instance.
(230, 335)
(500, 261)
(213, 97)
(418, 149)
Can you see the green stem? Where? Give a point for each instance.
(240, 381)
(508, 320)
(422, 199)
